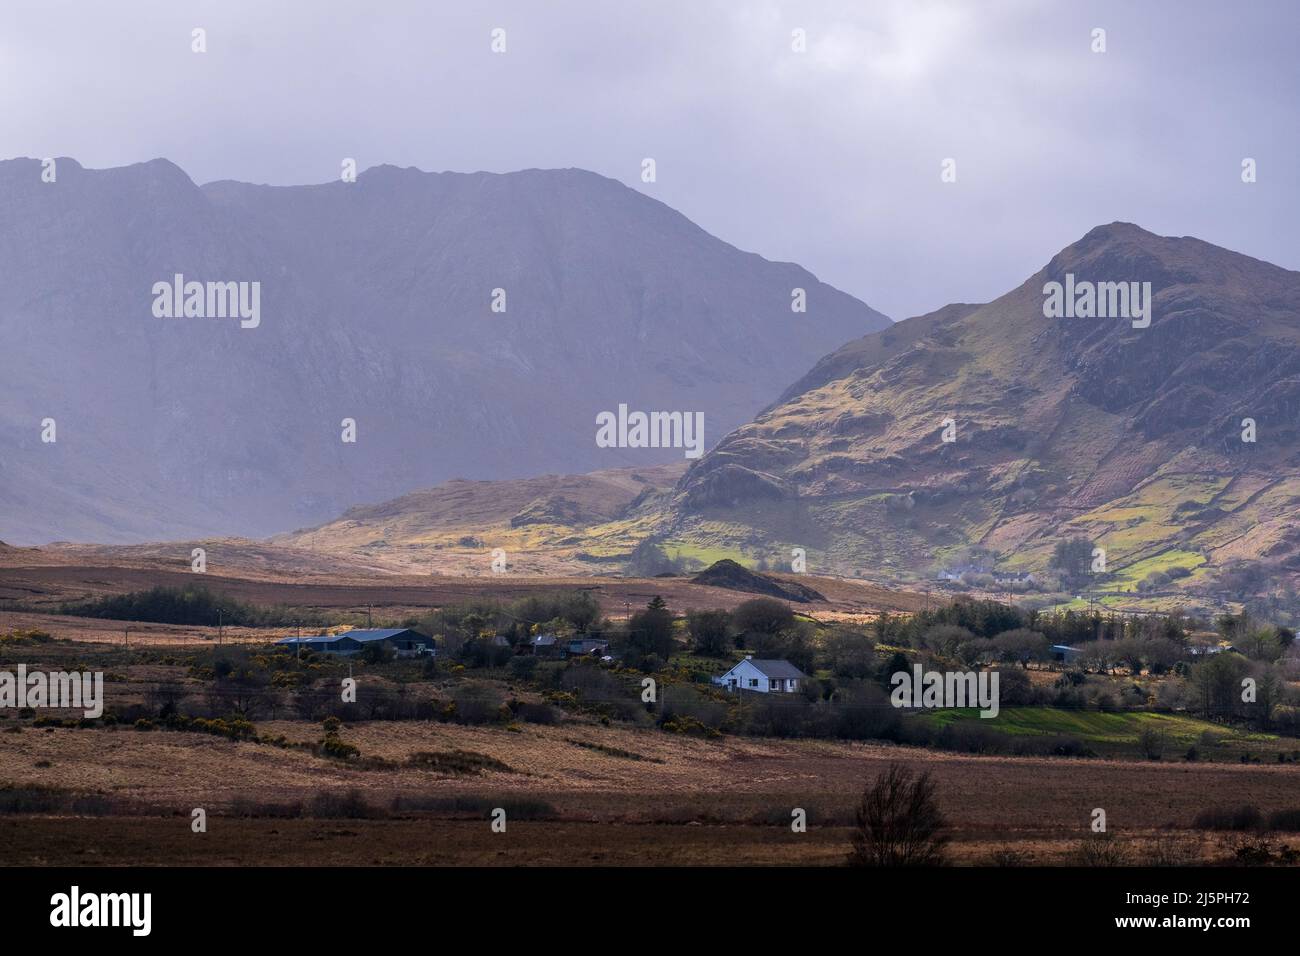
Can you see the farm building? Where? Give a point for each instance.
(1065, 655)
(404, 641)
(586, 646)
(545, 645)
(775, 677)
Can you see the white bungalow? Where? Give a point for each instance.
(765, 677)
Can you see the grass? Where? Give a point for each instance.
(1128, 577)
(1111, 731)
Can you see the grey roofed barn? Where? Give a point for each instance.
(404, 640)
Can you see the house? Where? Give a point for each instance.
(1013, 577)
(763, 676)
(545, 645)
(404, 642)
(587, 647)
(956, 573)
(1065, 655)
(1211, 649)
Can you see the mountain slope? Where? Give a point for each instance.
(1131, 437)
(375, 306)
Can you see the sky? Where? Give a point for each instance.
(830, 157)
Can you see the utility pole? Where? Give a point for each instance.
(220, 623)
(299, 645)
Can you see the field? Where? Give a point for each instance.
(1121, 732)
(568, 802)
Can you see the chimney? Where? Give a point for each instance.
(749, 657)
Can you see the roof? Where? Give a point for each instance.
(314, 639)
(543, 640)
(379, 634)
(776, 670)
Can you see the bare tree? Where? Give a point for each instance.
(898, 822)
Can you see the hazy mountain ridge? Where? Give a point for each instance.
(375, 301)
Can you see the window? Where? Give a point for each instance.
(753, 682)
(774, 685)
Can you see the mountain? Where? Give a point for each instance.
(375, 305)
(1128, 436)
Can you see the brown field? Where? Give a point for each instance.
(42, 587)
(684, 801)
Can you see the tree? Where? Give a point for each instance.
(651, 631)
(1021, 646)
(1072, 557)
(944, 639)
(1152, 742)
(649, 559)
(377, 652)
(710, 632)
(898, 822)
(849, 653)
(762, 616)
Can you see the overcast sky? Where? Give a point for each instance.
(830, 158)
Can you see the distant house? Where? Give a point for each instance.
(1211, 649)
(955, 573)
(959, 572)
(587, 647)
(545, 645)
(1063, 654)
(763, 676)
(404, 642)
(1013, 577)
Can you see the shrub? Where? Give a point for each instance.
(457, 762)
(1100, 849)
(351, 805)
(522, 667)
(1244, 817)
(336, 749)
(1286, 820)
(898, 822)
(1152, 742)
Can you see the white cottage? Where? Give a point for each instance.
(766, 677)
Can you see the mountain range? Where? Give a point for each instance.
(471, 326)
(1172, 447)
